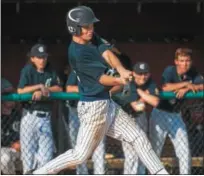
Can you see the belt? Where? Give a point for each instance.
(40, 114)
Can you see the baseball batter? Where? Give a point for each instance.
(166, 119)
(36, 138)
(98, 114)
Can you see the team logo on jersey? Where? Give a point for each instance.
(48, 82)
(58, 80)
(16, 126)
(41, 49)
(156, 90)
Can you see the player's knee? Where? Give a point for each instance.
(81, 156)
(143, 142)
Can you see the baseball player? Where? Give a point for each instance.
(98, 114)
(10, 128)
(166, 118)
(38, 78)
(99, 153)
(143, 91)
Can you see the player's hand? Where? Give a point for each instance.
(16, 146)
(192, 88)
(45, 91)
(37, 95)
(181, 92)
(126, 74)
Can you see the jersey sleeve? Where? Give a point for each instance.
(167, 76)
(199, 79)
(153, 89)
(5, 84)
(102, 44)
(24, 78)
(72, 79)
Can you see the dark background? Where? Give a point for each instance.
(151, 35)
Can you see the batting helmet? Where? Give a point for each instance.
(78, 17)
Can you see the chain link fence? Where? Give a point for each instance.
(187, 133)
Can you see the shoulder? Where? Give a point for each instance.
(170, 69)
(27, 68)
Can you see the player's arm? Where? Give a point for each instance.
(71, 84)
(199, 82)
(56, 84)
(55, 88)
(168, 83)
(148, 98)
(30, 89)
(114, 62)
(72, 88)
(175, 86)
(111, 81)
(116, 89)
(199, 87)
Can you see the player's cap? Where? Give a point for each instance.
(38, 50)
(141, 67)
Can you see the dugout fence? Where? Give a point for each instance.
(192, 112)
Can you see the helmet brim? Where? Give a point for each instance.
(95, 20)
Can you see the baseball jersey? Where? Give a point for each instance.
(30, 76)
(82, 58)
(5, 84)
(100, 43)
(10, 128)
(124, 102)
(170, 76)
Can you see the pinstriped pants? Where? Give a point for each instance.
(98, 118)
(37, 145)
(163, 124)
(132, 163)
(98, 157)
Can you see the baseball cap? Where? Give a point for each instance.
(141, 67)
(38, 50)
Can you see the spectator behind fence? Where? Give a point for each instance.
(143, 92)
(74, 122)
(10, 128)
(38, 78)
(166, 119)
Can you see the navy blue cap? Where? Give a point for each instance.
(141, 67)
(38, 50)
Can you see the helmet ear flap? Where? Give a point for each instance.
(73, 27)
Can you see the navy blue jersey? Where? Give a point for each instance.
(10, 128)
(30, 76)
(100, 43)
(124, 102)
(72, 81)
(5, 84)
(170, 76)
(89, 65)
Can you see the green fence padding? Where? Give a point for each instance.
(76, 96)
